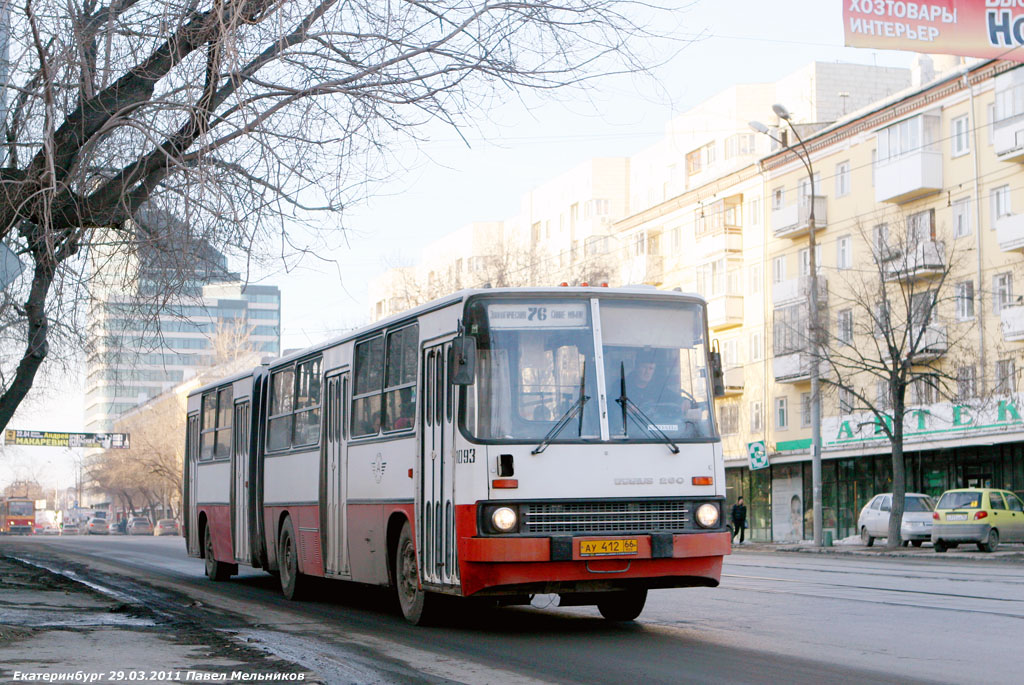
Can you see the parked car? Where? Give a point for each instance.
(984, 516)
(916, 527)
(97, 526)
(70, 529)
(117, 527)
(50, 529)
(139, 525)
(167, 527)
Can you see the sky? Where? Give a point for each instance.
(517, 147)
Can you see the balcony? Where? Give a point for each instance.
(908, 177)
(721, 242)
(799, 290)
(934, 343)
(734, 381)
(725, 311)
(926, 259)
(1012, 318)
(1008, 139)
(1010, 232)
(793, 221)
(646, 269)
(794, 367)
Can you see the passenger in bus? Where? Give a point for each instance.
(405, 415)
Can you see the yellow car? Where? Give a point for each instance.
(984, 516)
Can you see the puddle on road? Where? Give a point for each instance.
(33, 618)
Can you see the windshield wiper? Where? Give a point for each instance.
(630, 409)
(576, 408)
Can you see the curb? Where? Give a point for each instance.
(857, 551)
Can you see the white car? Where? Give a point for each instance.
(917, 518)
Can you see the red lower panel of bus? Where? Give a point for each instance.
(494, 562)
(306, 525)
(218, 520)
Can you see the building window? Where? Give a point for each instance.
(781, 413)
(1002, 291)
(844, 252)
(880, 241)
(731, 353)
(920, 227)
(842, 179)
(882, 395)
(1006, 377)
(966, 382)
(845, 401)
(739, 144)
(756, 353)
(779, 269)
(1000, 203)
(790, 329)
(844, 326)
(755, 418)
(805, 260)
(805, 409)
(959, 135)
(964, 295)
(755, 279)
(730, 419)
(990, 116)
(874, 163)
(694, 161)
(962, 217)
(923, 391)
(779, 198)
(755, 212)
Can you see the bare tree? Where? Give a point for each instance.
(891, 330)
(245, 119)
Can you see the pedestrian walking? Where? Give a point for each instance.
(738, 514)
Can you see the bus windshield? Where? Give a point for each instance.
(537, 357)
(21, 508)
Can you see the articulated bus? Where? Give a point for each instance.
(496, 443)
(17, 516)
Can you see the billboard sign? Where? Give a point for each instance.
(107, 441)
(988, 29)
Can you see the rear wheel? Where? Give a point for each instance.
(293, 583)
(991, 543)
(917, 543)
(865, 538)
(939, 546)
(215, 570)
(622, 606)
(418, 605)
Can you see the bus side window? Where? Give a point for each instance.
(369, 371)
(400, 379)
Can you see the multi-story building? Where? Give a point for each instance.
(146, 338)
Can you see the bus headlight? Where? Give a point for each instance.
(504, 519)
(707, 515)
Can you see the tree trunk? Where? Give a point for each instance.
(899, 472)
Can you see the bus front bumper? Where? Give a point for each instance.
(496, 565)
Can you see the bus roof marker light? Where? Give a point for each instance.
(563, 284)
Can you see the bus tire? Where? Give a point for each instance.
(215, 570)
(293, 583)
(624, 605)
(416, 603)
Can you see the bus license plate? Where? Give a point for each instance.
(956, 517)
(604, 548)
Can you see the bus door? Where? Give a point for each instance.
(241, 477)
(436, 529)
(192, 467)
(333, 483)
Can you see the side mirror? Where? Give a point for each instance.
(717, 376)
(462, 360)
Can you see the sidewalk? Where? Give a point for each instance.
(54, 629)
(966, 552)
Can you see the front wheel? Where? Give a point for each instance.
(917, 543)
(622, 606)
(991, 543)
(865, 538)
(939, 546)
(215, 570)
(416, 603)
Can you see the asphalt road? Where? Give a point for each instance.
(793, 618)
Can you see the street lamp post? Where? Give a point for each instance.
(805, 158)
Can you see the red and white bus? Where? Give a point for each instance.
(495, 443)
(17, 515)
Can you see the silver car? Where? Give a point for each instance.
(917, 518)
